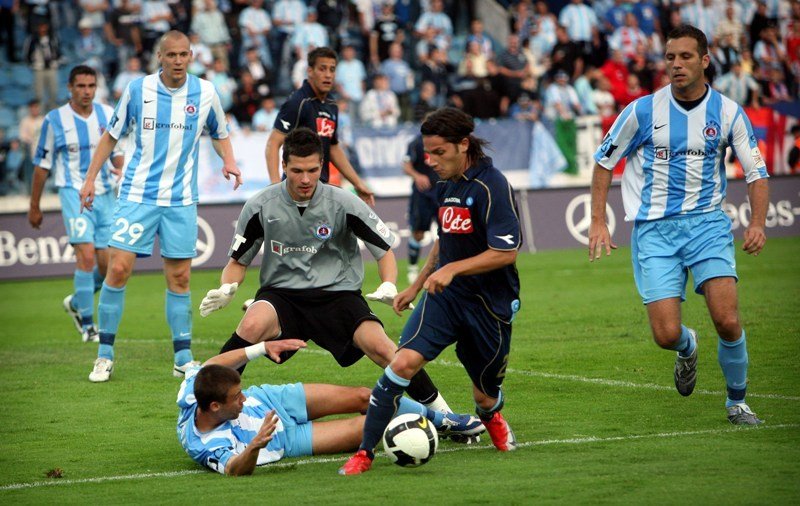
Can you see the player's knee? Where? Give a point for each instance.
(253, 329)
(405, 365)
(117, 274)
(728, 327)
(179, 281)
(668, 336)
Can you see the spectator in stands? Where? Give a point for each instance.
(725, 54)
(29, 128)
(566, 55)
(437, 69)
(202, 59)
(483, 40)
(123, 29)
(616, 72)
(210, 24)
(579, 20)
(287, 15)
(583, 87)
(246, 98)
(387, 31)
(261, 74)
(93, 13)
(545, 24)
(14, 163)
(768, 51)
(730, 29)
(380, 107)
(794, 153)
(264, 118)
(647, 14)
(633, 90)
(43, 53)
(8, 11)
(561, 100)
(223, 83)
(309, 35)
(615, 16)
(758, 23)
(474, 63)
(89, 47)
(603, 100)
(739, 86)
(426, 102)
(513, 67)
(39, 11)
(351, 77)
(627, 38)
(524, 109)
(401, 78)
(157, 20)
(330, 14)
(436, 22)
(776, 89)
(133, 70)
(255, 24)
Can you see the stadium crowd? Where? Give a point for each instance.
(399, 59)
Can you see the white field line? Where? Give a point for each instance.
(539, 374)
(326, 460)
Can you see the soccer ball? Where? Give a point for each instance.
(410, 440)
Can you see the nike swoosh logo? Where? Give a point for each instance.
(148, 101)
(659, 126)
(270, 220)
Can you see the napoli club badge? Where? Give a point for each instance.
(190, 110)
(711, 131)
(323, 231)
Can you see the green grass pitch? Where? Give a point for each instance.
(590, 398)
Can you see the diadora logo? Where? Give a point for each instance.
(455, 220)
(325, 127)
(452, 200)
(280, 249)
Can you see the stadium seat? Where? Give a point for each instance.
(21, 75)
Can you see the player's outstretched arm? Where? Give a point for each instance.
(224, 149)
(599, 237)
(34, 213)
(341, 162)
(487, 261)
(104, 149)
(754, 235)
(274, 143)
(237, 358)
(245, 463)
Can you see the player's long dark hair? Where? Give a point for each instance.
(213, 383)
(454, 125)
(301, 142)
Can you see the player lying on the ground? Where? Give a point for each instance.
(231, 430)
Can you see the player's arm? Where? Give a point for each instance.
(244, 463)
(104, 149)
(599, 236)
(34, 212)
(237, 358)
(487, 261)
(274, 143)
(406, 297)
(42, 161)
(754, 235)
(224, 149)
(421, 181)
(341, 162)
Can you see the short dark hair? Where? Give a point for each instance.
(693, 33)
(321, 52)
(212, 384)
(454, 125)
(81, 70)
(301, 142)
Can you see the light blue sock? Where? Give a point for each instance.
(179, 317)
(109, 314)
(98, 279)
(83, 300)
(411, 406)
(733, 360)
(686, 344)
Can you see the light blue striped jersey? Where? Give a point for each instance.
(166, 128)
(579, 20)
(676, 158)
(214, 448)
(67, 142)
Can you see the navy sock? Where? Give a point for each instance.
(382, 406)
(413, 251)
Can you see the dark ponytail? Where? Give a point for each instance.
(454, 125)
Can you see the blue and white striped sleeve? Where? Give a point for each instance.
(45, 148)
(118, 124)
(619, 141)
(744, 143)
(217, 123)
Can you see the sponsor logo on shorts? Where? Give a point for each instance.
(281, 249)
(455, 220)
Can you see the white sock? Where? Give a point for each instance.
(439, 404)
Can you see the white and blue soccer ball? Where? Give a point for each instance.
(410, 440)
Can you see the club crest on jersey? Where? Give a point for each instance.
(469, 201)
(190, 110)
(711, 131)
(325, 127)
(455, 220)
(323, 231)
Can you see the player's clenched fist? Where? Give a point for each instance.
(217, 298)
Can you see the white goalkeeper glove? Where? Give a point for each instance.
(385, 293)
(217, 298)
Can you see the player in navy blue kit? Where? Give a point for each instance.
(470, 280)
(422, 205)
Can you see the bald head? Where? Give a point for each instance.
(172, 36)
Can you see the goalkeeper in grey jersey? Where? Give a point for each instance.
(312, 272)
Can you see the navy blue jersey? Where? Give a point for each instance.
(415, 155)
(304, 109)
(478, 212)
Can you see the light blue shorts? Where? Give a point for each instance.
(136, 226)
(664, 251)
(290, 406)
(89, 226)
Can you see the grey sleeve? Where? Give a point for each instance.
(249, 234)
(367, 226)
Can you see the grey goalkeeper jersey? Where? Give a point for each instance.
(317, 249)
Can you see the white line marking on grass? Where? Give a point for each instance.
(539, 374)
(327, 460)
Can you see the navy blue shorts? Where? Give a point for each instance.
(482, 341)
(422, 211)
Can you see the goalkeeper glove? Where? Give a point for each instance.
(385, 293)
(217, 298)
